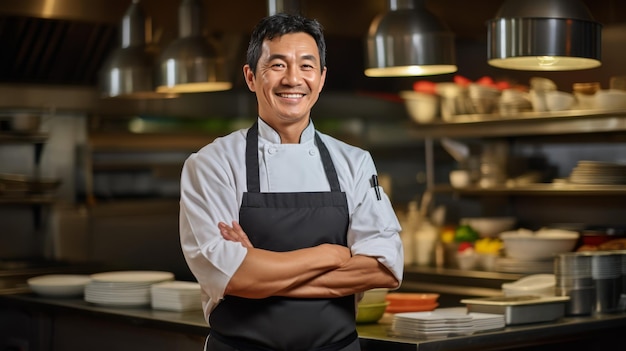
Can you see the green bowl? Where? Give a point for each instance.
(370, 313)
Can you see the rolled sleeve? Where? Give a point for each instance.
(374, 229)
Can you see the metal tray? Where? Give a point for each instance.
(520, 309)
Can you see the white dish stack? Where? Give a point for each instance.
(176, 296)
(444, 322)
(123, 288)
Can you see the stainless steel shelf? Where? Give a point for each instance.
(539, 189)
(127, 142)
(525, 123)
(22, 138)
(27, 200)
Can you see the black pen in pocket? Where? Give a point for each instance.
(374, 183)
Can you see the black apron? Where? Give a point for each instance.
(285, 222)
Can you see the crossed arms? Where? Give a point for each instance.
(322, 271)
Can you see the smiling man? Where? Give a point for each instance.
(282, 225)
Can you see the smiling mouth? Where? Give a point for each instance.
(291, 95)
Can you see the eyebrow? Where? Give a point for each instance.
(283, 57)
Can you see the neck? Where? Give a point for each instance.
(290, 132)
(290, 135)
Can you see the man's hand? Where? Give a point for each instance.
(234, 233)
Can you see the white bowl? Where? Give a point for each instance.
(59, 285)
(467, 260)
(374, 296)
(536, 284)
(422, 107)
(541, 245)
(490, 226)
(610, 99)
(559, 100)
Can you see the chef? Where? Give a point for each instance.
(284, 226)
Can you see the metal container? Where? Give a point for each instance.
(581, 299)
(606, 271)
(520, 309)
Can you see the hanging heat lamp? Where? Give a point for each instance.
(409, 40)
(544, 35)
(283, 6)
(191, 63)
(128, 72)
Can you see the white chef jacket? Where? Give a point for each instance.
(213, 181)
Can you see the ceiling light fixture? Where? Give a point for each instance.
(128, 72)
(544, 35)
(191, 63)
(283, 6)
(409, 40)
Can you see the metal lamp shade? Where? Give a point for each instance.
(544, 35)
(128, 72)
(409, 41)
(191, 63)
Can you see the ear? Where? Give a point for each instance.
(248, 75)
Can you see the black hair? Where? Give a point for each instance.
(278, 25)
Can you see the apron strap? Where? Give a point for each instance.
(329, 167)
(252, 161)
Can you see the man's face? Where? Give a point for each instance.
(288, 80)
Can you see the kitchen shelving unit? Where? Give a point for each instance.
(38, 141)
(538, 200)
(524, 125)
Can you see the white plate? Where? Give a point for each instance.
(132, 277)
(436, 315)
(59, 285)
(179, 286)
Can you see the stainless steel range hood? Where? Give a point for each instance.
(51, 51)
(56, 42)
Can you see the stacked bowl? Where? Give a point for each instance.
(606, 272)
(372, 305)
(411, 302)
(573, 278)
(593, 281)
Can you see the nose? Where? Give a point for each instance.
(292, 76)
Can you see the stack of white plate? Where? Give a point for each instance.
(123, 288)
(176, 296)
(444, 322)
(594, 172)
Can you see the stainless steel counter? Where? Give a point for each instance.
(593, 332)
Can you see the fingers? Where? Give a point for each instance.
(226, 231)
(234, 233)
(242, 234)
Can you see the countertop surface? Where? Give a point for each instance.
(373, 336)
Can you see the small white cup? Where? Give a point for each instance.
(559, 100)
(460, 178)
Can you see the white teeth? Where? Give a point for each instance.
(292, 96)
